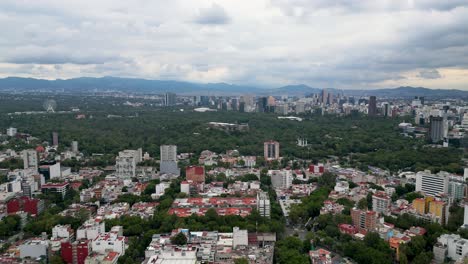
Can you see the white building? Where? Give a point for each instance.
(62, 231)
(126, 162)
(455, 246)
(185, 187)
(29, 159)
(91, 229)
(74, 146)
(168, 163)
(432, 184)
(263, 204)
(342, 187)
(161, 188)
(381, 203)
(239, 237)
(281, 179)
(111, 241)
(11, 132)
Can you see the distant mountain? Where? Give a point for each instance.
(299, 89)
(115, 84)
(408, 91)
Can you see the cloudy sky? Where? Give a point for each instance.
(322, 43)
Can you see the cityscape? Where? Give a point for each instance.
(220, 131)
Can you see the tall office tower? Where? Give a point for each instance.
(386, 109)
(271, 150)
(126, 163)
(242, 107)
(372, 111)
(364, 220)
(330, 98)
(439, 128)
(263, 204)
(168, 163)
(271, 101)
(249, 103)
(234, 104)
(170, 99)
(55, 139)
(300, 107)
(74, 146)
(29, 159)
(324, 96)
(465, 219)
(204, 100)
(262, 104)
(432, 184)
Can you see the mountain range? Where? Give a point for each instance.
(133, 85)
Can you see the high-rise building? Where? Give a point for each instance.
(432, 184)
(281, 179)
(262, 105)
(381, 203)
(263, 204)
(438, 129)
(300, 107)
(55, 139)
(324, 97)
(465, 218)
(170, 99)
(126, 163)
(29, 159)
(74, 146)
(271, 150)
(168, 164)
(363, 219)
(456, 189)
(11, 132)
(372, 111)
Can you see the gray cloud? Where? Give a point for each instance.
(321, 43)
(214, 15)
(429, 74)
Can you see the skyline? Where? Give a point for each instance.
(265, 43)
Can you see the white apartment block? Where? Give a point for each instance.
(263, 204)
(91, 229)
(280, 179)
(29, 159)
(126, 162)
(62, 231)
(432, 184)
(110, 241)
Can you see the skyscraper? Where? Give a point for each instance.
(55, 139)
(29, 159)
(324, 96)
(372, 111)
(74, 146)
(168, 163)
(170, 99)
(271, 150)
(438, 128)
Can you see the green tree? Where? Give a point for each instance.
(179, 239)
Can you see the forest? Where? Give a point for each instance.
(358, 140)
